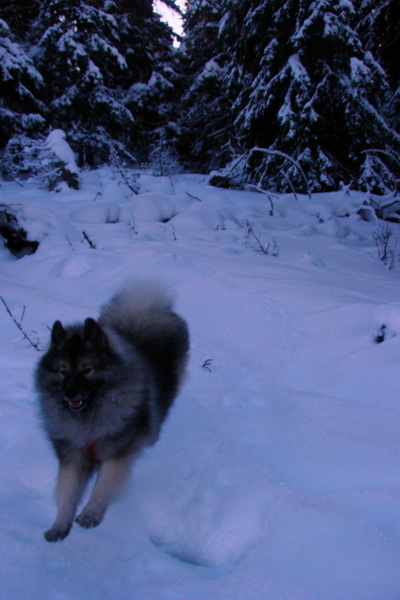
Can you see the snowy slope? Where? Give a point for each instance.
(277, 475)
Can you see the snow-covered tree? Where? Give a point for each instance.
(22, 113)
(378, 26)
(20, 109)
(153, 96)
(90, 54)
(19, 15)
(377, 22)
(77, 53)
(310, 91)
(205, 125)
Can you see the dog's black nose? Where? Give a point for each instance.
(71, 391)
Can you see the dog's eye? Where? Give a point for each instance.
(87, 370)
(62, 372)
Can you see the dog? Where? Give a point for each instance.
(105, 387)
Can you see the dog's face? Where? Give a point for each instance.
(77, 363)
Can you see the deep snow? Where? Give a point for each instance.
(277, 475)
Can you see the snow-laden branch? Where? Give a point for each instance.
(286, 156)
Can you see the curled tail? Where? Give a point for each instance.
(133, 302)
(142, 313)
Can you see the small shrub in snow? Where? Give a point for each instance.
(385, 245)
(18, 323)
(163, 158)
(254, 240)
(127, 175)
(20, 158)
(59, 162)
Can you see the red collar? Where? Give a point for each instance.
(92, 454)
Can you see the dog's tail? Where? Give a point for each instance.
(135, 301)
(143, 312)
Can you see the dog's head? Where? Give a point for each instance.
(76, 364)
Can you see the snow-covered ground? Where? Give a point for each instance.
(277, 475)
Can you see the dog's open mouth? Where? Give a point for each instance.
(77, 404)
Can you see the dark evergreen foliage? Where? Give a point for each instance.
(205, 124)
(107, 74)
(13, 235)
(21, 110)
(20, 15)
(91, 54)
(282, 93)
(378, 27)
(304, 95)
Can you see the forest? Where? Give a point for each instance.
(281, 94)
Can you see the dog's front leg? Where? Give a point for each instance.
(109, 482)
(71, 482)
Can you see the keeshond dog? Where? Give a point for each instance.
(105, 388)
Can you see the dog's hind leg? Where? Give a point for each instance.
(109, 482)
(71, 482)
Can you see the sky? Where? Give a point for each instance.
(169, 15)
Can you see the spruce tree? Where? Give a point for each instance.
(19, 15)
(205, 125)
(153, 96)
(21, 110)
(377, 23)
(91, 53)
(78, 56)
(315, 95)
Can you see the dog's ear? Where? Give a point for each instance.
(58, 333)
(93, 333)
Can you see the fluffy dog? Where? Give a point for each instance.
(105, 388)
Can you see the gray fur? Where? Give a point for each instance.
(105, 389)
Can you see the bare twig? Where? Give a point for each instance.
(69, 242)
(173, 232)
(194, 197)
(386, 250)
(89, 241)
(207, 365)
(256, 188)
(271, 249)
(131, 224)
(19, 325)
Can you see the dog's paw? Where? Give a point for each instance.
(56, 534)
(88, 520)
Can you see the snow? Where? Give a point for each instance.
(59, 147)
(277, 473)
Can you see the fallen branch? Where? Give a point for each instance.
(194, 197)
(89, 241)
